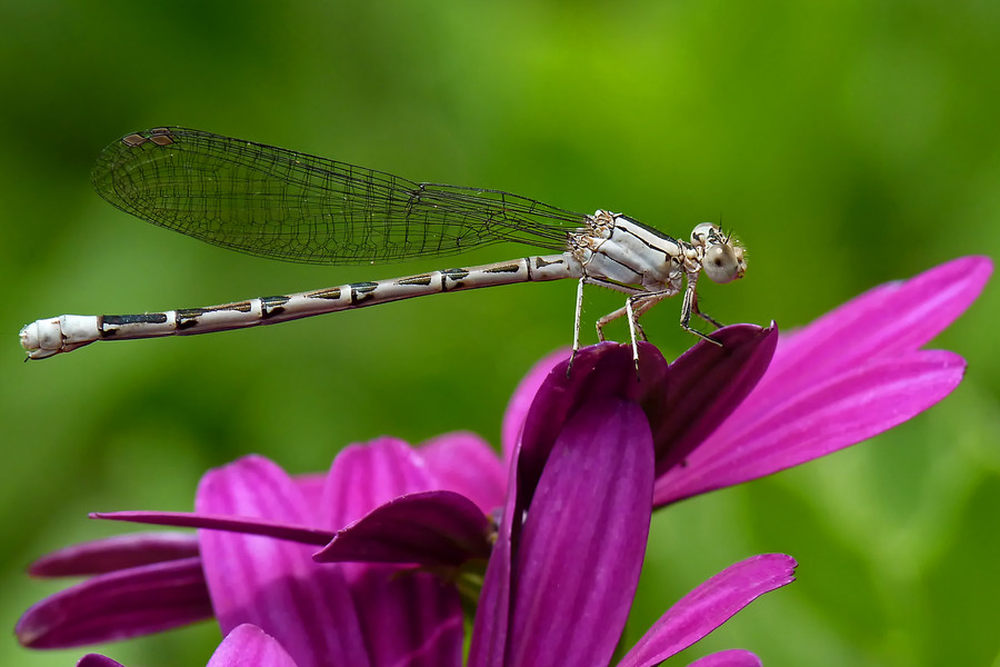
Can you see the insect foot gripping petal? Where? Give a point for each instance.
(48, 337)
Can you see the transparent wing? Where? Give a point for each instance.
(282, 204)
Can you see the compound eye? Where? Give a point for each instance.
(701, 233)
(721, 264)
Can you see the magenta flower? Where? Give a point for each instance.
(574, 524)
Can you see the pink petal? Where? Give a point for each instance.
(119, 605)
(272, 584)
(710, 605)
(466, 464)
(524, 394)
(790, 429)
(409, 618)
(114, 553)
(891, 319)
(735, 657)
(365, 476)
(868, 340)
(247, 645)
(584, 539)
(433, 529)
(312, 485)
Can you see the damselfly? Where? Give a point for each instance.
(278, 203)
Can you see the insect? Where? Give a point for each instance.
(282, 204)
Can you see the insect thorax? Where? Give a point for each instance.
(617, 248)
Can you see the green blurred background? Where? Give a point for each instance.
(848, 143)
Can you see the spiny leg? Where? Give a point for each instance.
(611, 317)
(689, 306)
(590, 280)
(625, 310)
(646, 304)
(634, 307)
(705, 316)
(606, 320)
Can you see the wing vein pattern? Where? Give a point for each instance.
(282, 204)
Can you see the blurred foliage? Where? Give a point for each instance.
(849, 143)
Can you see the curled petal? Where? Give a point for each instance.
(707, 383)
(434, 528)
(466, 464)
(603, 372)
(524, 394)
(247, 645)
(710, 605)
(119, 605)
(584, 539)
(599, 371)
(684, 402)
(114, 553)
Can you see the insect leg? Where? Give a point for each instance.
(690, 305)
(705, 316)
(576, 323)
